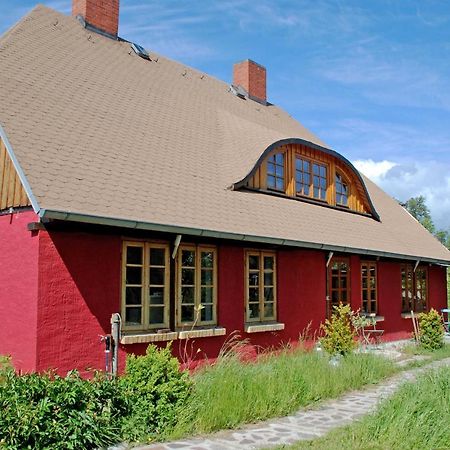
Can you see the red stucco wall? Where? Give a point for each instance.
(18, 289)
(79, 289)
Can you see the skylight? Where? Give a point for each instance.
(140, 51)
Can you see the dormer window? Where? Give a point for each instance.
(319, 181)
(302, 177)
(341, 190)
(275, 172)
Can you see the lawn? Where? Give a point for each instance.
(231, 393)
(416, 417)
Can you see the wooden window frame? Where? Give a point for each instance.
(344, 182)
(369, 265)
(412, 288)
(338, 259)
(198, 249)
(299, 156)
(261, 254)
(145, 285)
(272, 160)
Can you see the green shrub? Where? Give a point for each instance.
(155, 390)
(339, 334)
(431, 330)
(47, 411)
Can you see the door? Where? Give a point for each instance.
(338, 282)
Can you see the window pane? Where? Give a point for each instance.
(133, 295)
(305, 166)
(268, 294)
(187, 294)
(207, 313)
(316, 192)
(298, 164)
(253, 309)
(156, 295)
(279, 158)
(323, 183)
(157, 257)
(268, 262)
(133, 316)
(279, 184)
(253, 294)
(270, 168)
(271, 182)
(323, 171)
(316, 170)
(253, 279)
(306, 179)
(207, 259)
(133, 275)
(188, 258)
(187, 276)
(322, 195)
(157, 276)
(207, 277)
(187, 313)
(156, 315)
(306, 189)
(207, 295)
(279, 171)
(268, 310)
(253, 262)
(134, 255)
(268, 278)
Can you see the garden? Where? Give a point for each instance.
(155, 400)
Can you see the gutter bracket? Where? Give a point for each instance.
(176, 245)
(330, 255)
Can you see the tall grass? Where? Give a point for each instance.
(416, 417)
(231, 392)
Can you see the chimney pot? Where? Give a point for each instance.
(101, 14)
(252, 77)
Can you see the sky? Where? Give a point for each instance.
(370, 78)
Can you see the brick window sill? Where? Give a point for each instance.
(263, 327)
(202, 333)
(148, 337)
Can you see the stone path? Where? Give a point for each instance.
(304, 425)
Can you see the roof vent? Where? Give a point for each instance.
(140, 51)
(238, 91)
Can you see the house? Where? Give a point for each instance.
(132, 184)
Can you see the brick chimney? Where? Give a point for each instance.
(100, 14)
(252, 77)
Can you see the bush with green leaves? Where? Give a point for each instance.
(155, 390)
(339, 334)
(48, 411)
(431, 330)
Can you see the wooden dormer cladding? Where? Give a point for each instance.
(12, 193)
(356, 198)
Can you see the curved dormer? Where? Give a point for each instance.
(305, 171)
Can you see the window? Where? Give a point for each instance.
(261, 286)
(369, 287)
(145, 285)
(196, 285)
(302, 176)
(275, 172)
(319, 181)
(341, 191)
(338, 283)
(414, 288)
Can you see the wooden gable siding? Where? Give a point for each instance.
(357, 200)
(12, 193)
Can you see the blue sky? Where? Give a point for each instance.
(372, 78)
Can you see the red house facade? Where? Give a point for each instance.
(132, 184)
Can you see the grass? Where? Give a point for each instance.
(231, 393)
(416, 417)
(431, 355)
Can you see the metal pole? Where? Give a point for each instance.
(115, 333)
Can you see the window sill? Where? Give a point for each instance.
(373, 317)
(148, 337)
(262, 328)
(408, 315)
(201, 333)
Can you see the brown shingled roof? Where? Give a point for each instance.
(106, 136)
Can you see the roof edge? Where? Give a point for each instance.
(177, 229)
(326, 150)
(20, 172)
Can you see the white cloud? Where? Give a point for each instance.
(375, 170)
(403, 180)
